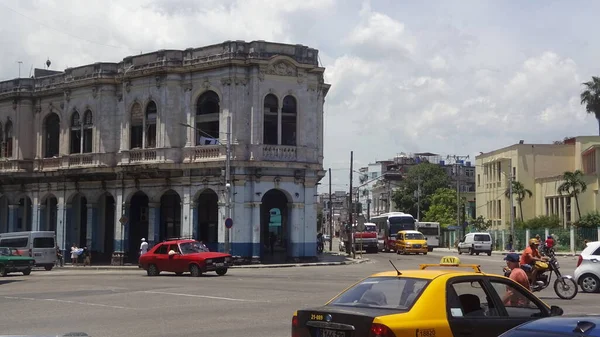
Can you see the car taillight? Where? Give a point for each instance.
(579, 260)
(295, 327)
(380, 330)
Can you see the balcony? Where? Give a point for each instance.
(14, 166)
(204, 153)
(279, 153)
(73, 161)
(149, 156)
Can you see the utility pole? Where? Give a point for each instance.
(228, 182)
(457, 174)
(330, 215)
(512, 213)
(418, 198)
(351, 239)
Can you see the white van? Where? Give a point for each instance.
(475, 243)
(39, 245)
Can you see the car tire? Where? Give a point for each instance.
(222, 271)
(3, 271)
(195, 270)
(489, 253)
(27, 271)
(153, 270)
(589, 283)
(471, 251)
(48, 267)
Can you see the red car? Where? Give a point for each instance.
(181, 256)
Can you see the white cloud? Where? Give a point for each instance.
(405, 77)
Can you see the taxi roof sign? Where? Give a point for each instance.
(452, 261)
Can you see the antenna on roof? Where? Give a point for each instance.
(392, 263)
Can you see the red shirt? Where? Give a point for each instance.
(550, 242)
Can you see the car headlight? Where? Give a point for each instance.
(209, 261)
(408, 244)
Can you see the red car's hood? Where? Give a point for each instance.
(208, 255)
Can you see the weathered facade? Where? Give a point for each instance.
(142, 141)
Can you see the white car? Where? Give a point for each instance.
(587, 274)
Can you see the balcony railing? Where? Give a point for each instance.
(75, 161)
(8, 165)
(161, 155)
(204, 153)
(279, 153)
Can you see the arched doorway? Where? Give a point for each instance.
(77, 222)
(170, 215)
(137, 227)
(48, 213)
(105, 228)
(24, 218)
(3, 214)
(208, 219)
(274, 221)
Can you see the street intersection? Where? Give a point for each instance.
(246, 302)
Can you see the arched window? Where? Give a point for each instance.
(136, 131)
(88, 127)
(207, 118)
(75, 133)
(8, 140)
(270, 120)
(288, 121)
(51, 136)
(151, 115)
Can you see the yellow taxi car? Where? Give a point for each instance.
(410, 241)
(436, 300)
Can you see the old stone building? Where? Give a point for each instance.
(109, 153)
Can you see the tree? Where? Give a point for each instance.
(443, 207)
(431, 177)
(521, 192)
(590, 220)
(480, 224)
(541, 222)
(591, 97)
(573, 186)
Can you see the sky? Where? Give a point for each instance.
(448, 77)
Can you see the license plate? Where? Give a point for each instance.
(417, 246)
(219, 264)
(330, 333)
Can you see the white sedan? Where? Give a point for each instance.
(587, 274)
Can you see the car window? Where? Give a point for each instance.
(43, 243)
(517, 302)
(383, 292)
(414, 236)
(14, 242)
(174, 247)
(162, 249)
(470, 299)
(596, 251)
(482, 237)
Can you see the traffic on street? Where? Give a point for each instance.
(245, 302)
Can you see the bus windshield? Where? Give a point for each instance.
(429, 230)
(401, 223)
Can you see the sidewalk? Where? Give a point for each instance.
(325, 259)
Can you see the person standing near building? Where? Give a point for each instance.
(143, 247)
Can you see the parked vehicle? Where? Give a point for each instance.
(367, 239)
(40, 245)
(587, 273)
(475, 243)
(12, 262)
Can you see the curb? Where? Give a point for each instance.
(250, 266)
(557, 254)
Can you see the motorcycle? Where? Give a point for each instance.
(564, 285)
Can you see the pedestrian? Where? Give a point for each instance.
(272, 240)
(143, 247)
(74, 254)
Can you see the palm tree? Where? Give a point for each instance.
(591, 97)
(573, 186)
(521, 192)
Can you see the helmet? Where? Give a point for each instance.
(534, 241)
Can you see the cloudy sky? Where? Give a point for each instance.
(450, 77)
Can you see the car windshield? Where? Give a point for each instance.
(401, 223)
(192, 247)
(414, 236)
(370, 228)
(397, 293)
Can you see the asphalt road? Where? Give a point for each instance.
(245, 302)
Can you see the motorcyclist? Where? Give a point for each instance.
(512, 298)
(529, 257)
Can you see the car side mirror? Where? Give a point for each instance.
(556, 311)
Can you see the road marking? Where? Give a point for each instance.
(202, 296)
(65, 301)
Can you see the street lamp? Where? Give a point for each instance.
(227, 173)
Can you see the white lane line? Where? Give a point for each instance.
(202, 296)
(65, 301)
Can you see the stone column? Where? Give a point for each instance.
(295, 228)
(13, 218)
(92, 227)
(153, 223)
(35, 218)
(118, 227)
(69, 239)
(221, 225)
(186, 224)
(60, 226)
(194, 220)
(255, 225)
